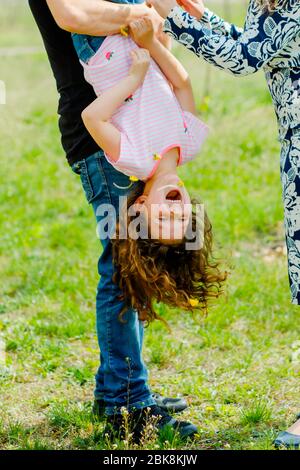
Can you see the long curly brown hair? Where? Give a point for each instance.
(148, 271)
(270, 5)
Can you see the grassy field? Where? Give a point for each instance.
(239, 368)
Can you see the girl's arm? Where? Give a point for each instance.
(96, 116)
(143, 34)
(175, 74)
(264, 36)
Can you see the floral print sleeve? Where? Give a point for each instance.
(236, 51)
(217, 24)
(270, 41)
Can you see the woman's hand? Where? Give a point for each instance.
(140, 64)
(193, 7)
(142, 32)
(163, 7)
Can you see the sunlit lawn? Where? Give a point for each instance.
(239, 368)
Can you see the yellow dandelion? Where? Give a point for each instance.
(194, 302)
(124, 30)
(180, 183)
(156, 156)
(90, 428)
(133, 178)
(209, 409)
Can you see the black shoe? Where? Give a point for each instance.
(118, 426)
(170, 405)
(287, 440)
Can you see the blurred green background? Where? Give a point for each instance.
(239, 368)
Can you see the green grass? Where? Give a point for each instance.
(239, 368)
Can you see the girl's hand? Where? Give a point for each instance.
(193, 7)
(140, 64)
(163, 7)
(142, 32)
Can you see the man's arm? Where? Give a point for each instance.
(97, 17)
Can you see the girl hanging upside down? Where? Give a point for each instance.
(145, 121)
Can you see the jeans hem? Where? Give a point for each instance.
(111, 410)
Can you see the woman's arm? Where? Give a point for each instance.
(212, 21)
(263, 38)
(143, 34)
(97, 115)
(219, 25)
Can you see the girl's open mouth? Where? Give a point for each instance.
(174, 195)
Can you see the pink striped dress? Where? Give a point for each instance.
(151, 121)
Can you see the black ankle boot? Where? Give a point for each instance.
(168, 404)
(134, 423)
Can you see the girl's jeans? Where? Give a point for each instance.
(121, 380)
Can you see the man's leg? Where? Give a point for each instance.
(122, 371)
(122, 377)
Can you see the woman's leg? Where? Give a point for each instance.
(290, 177)
(290, 438)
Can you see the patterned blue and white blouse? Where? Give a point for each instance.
(269, 40)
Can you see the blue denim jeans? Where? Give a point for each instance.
(121, 380)
(85, 45)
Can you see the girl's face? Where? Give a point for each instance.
(167, 208)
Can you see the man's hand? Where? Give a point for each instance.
(157, 25)
(142, 32)
(193, 7)
(155, 17)
(163, 7)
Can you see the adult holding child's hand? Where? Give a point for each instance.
(270, 41)
(194, 7)
(162, 7)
